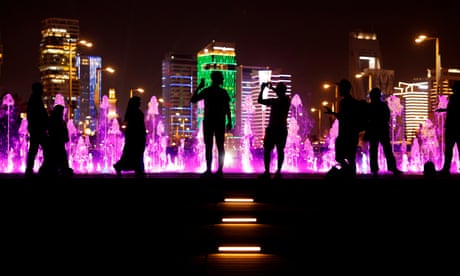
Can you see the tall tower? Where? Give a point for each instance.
(178, 84)
(365, 65)
(219, 56)
(57, 61)
(90, 87)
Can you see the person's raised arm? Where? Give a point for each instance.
(260, 99)
(195, 96)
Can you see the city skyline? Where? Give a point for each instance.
(311, 43)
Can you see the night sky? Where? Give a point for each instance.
(306, 39)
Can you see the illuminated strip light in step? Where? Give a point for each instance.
(239, 220)
(239, 200)
(239, 249)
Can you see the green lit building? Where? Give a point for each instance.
(218, 56)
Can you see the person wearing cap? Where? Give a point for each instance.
(277, 130)
(378, 132)
(451, 127)
(347, 140)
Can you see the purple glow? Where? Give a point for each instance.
(300, 154)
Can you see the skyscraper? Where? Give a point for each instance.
(178, 84)
(90, 88)
(219, 56)
(365, 65)
(57, 61)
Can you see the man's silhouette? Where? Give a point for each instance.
(451, 127)
(349, 119)
(277, 129)
(378, 132)
(37, 123)
(216, 112)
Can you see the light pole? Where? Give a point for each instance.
(132, 90)
(328, 85)
(81, 42)
(369, 79)
(422, 38)
(97, 92)
(319, 121)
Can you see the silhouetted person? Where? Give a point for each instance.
(216, 112)
(132, 158)
(56, 161)
(37, 124)
(378, 132)
(348, 116)
(451, 127)
(277, 130)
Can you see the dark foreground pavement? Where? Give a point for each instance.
(171, 224)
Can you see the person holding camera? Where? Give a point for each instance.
(277, 130)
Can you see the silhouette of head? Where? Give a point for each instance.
(375, 94)
(58, 111)
(344, 87)
(456, 87)
(280, 89)
(217, 77)
(134, 102)
(37, 88)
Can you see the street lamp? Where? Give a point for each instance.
(77, 42)
(97, 92)
(328, 85)
(132, 90)
(369, 79)
(319, 120)
(422, 38)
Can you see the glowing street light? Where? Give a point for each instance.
(319, 120)
(369, 79)
(422, 38)
(132, 90)
(97, 92)
(328, 85)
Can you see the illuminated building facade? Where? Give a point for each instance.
(415, 106)
(252, 117)
(218, 56)
(365, 65)
(90, 87)
(178, 83)
(112, 100)
(58, 55)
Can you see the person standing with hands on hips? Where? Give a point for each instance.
(216, 112)
(277, 130)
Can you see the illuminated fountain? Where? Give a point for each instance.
(98, 154)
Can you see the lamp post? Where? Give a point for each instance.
(97, 92)
(328, 85)
(132, 90)
(319, 121)
(422, 38)
(369, 79)
(81, 42)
